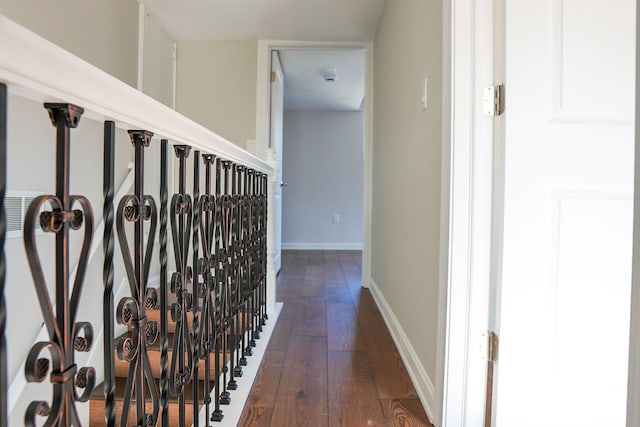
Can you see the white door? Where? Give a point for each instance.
(277, 107)
(566, 264)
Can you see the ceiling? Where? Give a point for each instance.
(305, 20)
(305, 87)
(298, 20)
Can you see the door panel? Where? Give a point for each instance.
(566, 261)
(277, 108)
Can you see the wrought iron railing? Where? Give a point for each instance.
(211, 307)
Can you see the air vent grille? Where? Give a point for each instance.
(16, 204)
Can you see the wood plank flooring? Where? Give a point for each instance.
(331, 360)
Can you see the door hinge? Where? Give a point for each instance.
(494, 100)
(273, 76)
(492, 346)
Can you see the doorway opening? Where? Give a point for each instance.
(326, 122)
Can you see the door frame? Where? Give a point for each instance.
(277, 159)
(633, 409)
(263, 131)
(474, 177)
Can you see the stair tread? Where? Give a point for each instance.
(98, 392)
(96, 408)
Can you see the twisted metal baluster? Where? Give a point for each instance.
(254, 334)
(181, 205)
(237, 274)
(131, 311)
(65, 335)
(3, 184)
(195, 306)
(260, 249)
(263, 248)
(242, 267)
(231, 282)
(219, 329)
(164, 306)
(107, 275)
(225, 224)
(246, 348)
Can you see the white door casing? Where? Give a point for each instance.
(277, 113)
(471, 215)
(565, 280)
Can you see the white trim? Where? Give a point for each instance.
(322, 246)
(474, 218)
(263, 119)
(37, 69)
(367, 195)
(419, 377)
(233, 411)
(445, 203)
(633, 396)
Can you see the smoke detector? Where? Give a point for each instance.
(329, 74)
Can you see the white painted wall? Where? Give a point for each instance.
(104, 33)
(216, 86)
(323, 169)
(407, 176)
(158, 67)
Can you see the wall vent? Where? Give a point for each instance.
(16, 204)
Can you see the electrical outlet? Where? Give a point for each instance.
(336, 218)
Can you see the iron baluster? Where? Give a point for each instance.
(65, 335)
(195, 306)
(263, 248)
(181, 206)
(3, 185)
(107, 275)
(225, 224)
(131, 311)
(255, 279)
(242, 249)
(231, 270)
(205, 266)
(164, 305)
(237, 273)
(248, 351)
(220, 296)
(254, 334)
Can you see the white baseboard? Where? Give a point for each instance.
(322, 246)
(421, 381)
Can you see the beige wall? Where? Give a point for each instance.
(406, 169)
(104, 33)
(216, 86)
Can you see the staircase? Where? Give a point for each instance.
(97, 402)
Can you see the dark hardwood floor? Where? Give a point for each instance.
(331, 360)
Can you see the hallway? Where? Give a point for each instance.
(331, 360)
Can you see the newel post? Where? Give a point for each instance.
(271, 232)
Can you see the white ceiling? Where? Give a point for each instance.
(305, 87)
(299, 20)
(306, 20)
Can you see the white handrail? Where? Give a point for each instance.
(38, 69)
